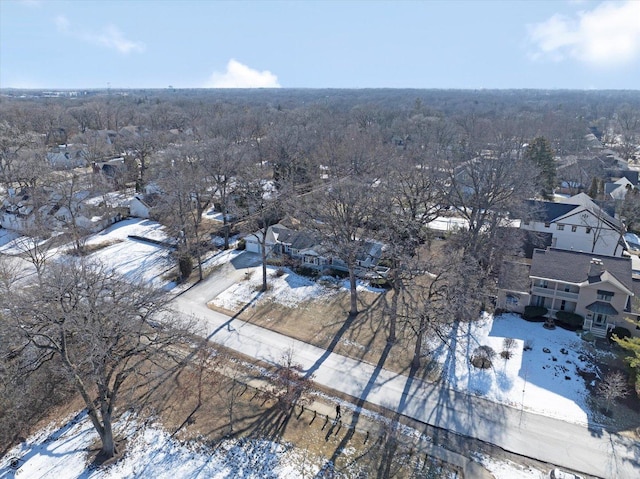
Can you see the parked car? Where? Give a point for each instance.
(559, 474)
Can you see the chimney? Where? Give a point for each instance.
(595, 267)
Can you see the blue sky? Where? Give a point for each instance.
(320, 44)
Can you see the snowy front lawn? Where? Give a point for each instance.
(541, 377)
(284, 287)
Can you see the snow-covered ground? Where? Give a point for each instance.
(62, 452)
(8, 243)
(285, 288)
(509, 470)
(541, 379)
(152, 453)
(135, 259)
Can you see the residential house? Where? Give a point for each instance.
(618, 189)
(141, 205)
(305, 248)
(577, 224)
(19, 211)
(65, 157)
(514, 286)
(599, 288)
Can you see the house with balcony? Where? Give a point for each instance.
(599, 288)
(577, 224)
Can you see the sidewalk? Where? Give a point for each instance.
(373, 427)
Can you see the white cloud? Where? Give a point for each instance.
(607, 35)
(242, 76)
(62, 23)
(109, 37)
(112, 37)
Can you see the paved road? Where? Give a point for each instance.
(592, 451)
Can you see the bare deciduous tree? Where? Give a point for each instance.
(412, 192)
(260, 206)
(613, 386)
(99, 328)
(447, 296)
(289, 383)
(340, 214)
(508, 344)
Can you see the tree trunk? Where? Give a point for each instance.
(200, 273)
(225, 228)
(393, 316)
(108, 444)
(417, 351)
(264, 261)
(353, 290)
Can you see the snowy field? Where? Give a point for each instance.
(56, 453)
(135, 259)
(61, 452)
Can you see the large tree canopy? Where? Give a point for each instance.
(98, 327)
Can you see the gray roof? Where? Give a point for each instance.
(573, 267)
(611, 187)
(371, 250)
(514, 276)
(298, 240)
(548, 211)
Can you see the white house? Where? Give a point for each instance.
(618, 189)
(577, 224)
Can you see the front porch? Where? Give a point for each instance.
(598, 330)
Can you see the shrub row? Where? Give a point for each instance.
(568, 320)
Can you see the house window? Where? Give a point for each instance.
(588, 230)
(574, 229)
(547, 224)
(512, 299)
(560, 227)
(605, 295)
(567, 288)
(526, 223)
(563, 305)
